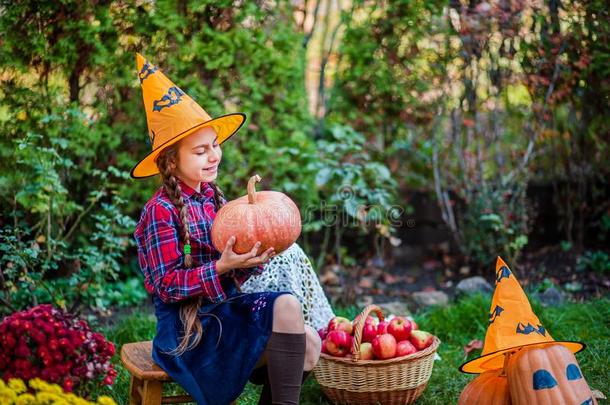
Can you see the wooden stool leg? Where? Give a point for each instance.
(134, 393)
(151, 394)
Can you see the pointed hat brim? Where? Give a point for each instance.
(495, 360)
(225, 126)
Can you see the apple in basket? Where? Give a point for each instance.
(404, 347)
(369, 332)
(338, 343)
(413, 324)
(369, 320)
(270, 217)
(340, 323)
(384, 346)
(322, 332)
(421, 339)
(400, 328)
(382, 328)
(366, 351)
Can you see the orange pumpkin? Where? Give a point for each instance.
(490, 388)
(270, 217)
(547, 375)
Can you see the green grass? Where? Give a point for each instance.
(455, 325)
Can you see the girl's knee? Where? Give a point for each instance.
(287, 314)
(289, 305)
(312, 348)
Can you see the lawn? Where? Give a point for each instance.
(455, 325)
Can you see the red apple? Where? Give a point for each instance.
(366, 351)
(340, 323)
(369, 331)
(369, 320)
(323, 349)
(421, 339)
(413, 324)
(404, 347)
(400, 328)
(322, 332)
(338, 343)
(382, 328)
(372, 320)
(384, 346)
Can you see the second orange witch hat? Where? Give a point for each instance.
(172, 115)
(512, 325)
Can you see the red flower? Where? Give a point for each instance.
(55, 346)
(110, 349)
(68, 384)
(22, 351)
(38, 336)
(9, 341)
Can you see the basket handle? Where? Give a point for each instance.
(360, 325)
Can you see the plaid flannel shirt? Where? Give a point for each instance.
(160, 248)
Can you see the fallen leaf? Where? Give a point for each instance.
(430, 264)
(365, 282)
(597, 394)
(389, 279)
(329, 278)
(472, 345)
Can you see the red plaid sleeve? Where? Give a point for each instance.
(171, 281)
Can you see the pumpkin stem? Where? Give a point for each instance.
(251, 188)
(505, 366)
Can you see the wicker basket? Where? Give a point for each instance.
(395, 381)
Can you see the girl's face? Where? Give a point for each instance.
(199, 155)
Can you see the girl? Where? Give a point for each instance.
(210, 336)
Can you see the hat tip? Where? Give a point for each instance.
(140, 60)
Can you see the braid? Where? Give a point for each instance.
(218, 196)
(172, 187)
(188, 311)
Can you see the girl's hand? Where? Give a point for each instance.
(230, 260)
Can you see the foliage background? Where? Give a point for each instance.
(354, 104)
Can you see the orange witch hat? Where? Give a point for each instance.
(172, 115)
(512, 325)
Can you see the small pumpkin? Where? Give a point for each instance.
(547, 375)
(270, 217)
(489, 388)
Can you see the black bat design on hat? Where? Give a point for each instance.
(146, 71)
(495, 313)
(504, 272)
(527, 329)
(173, 96)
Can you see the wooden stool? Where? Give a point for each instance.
(147, 378)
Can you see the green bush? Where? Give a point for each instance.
(495, 221)
(72, 125)
(597, 261)
(357, 191)
(65, 234)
